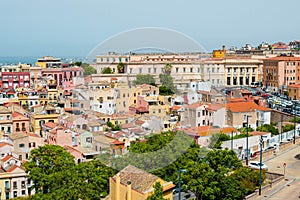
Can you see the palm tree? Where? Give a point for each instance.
(168, 69)
(120, 67)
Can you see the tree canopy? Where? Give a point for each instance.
(268, 128)
(88, 70)
(144, 79)
(167, 83)
(107, 70)
(56, 176)
(158, 192)
(121, 68)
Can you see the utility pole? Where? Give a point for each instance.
(294, 122)
(261, 141)
(231, 140)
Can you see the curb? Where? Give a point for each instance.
(279, 189)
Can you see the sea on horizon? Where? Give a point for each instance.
(14, 60)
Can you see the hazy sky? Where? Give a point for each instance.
(75, 27)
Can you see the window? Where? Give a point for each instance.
(15, 185)
(21, 145)
(228, 70)
(154, 70)
(184, 70)
(149, 70)
(89, 139)
(176, 69)
(23, 192)
(23, 184)
(191, 70)
(15, 194)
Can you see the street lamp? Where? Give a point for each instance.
(247, 138)
(294, 121)
(179, 182)
(261, 141)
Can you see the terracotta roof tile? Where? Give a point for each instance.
(6, 158)
(244, 107)
(50, 124)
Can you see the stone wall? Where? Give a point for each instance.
(276, 116)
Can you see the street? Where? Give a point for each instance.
(291, 189)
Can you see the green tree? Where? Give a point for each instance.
(165, 91)
(107, 70)
(78, 63)
(158, 192)
(56, 176)
(167, 81)
(114, 127)
(121, 68)
(217, 139)
(144, 79)
(268, 128)
(88, 70)
(297, 120)
(288, 127)
(168, 69)
(44, 162)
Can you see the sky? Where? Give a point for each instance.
(75, 27)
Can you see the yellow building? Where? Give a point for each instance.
(158, 106)
(37, 120)
(48, 62)
(132, 183)
(4, 185)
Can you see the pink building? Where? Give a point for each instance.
(15, 79)
(63, 74)
(20, 122)
(63, 137)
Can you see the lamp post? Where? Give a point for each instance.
(179, 182)
(294, 122)
(261, 141)
(247, 138)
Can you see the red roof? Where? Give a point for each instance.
(19, 116)
(117, 142)
(284, 58)
(295, 86)
(50, 124)
(194, 105)
(2, 144)
(11, 169)
(176, 107)
(258, 133)
(6, 158)
(244, 107)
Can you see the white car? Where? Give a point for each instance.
(256, 165)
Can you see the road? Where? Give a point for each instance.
(291, 190)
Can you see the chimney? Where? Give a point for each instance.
(118, 185)
(223, 48)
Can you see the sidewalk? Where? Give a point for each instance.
(289, 188)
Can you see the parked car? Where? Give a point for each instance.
(256, 165)
(269, 148)
(290, 139)
(265, 95)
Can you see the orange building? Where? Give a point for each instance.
(280, 72)
(294, 91)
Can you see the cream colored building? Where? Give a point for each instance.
(227, 71)
(132, 183)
